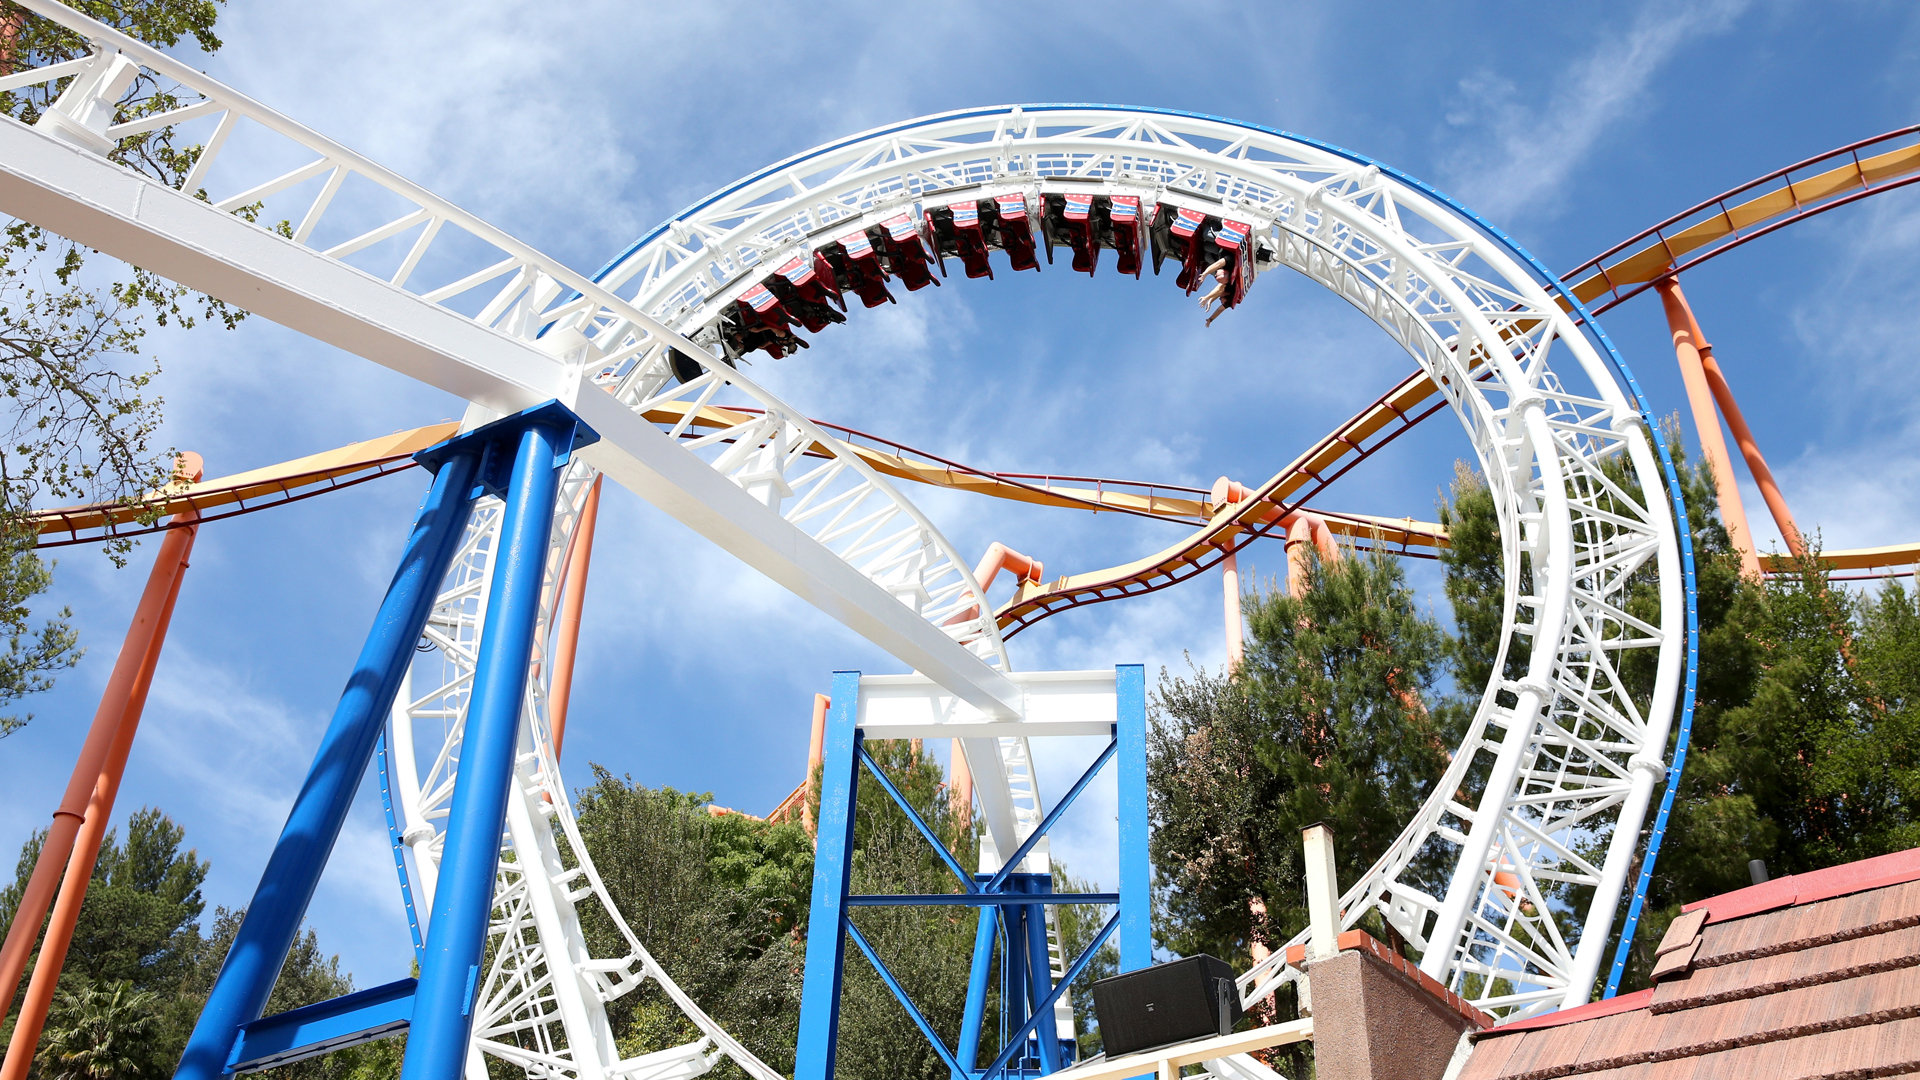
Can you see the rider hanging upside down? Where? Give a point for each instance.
(1222, 288)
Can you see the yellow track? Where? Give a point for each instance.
(1210, 544)
(275, 483)
(1223, 529)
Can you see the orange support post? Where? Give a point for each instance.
(155, 601)
(127, 694)
(1305, 528)
(1230, 589)
(573, 598)
(1301, 528)
(1688, 347)
(816, 753)
(960, 783)
(998, 557)
(1750, 449)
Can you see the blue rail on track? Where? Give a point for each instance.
(1546, 278)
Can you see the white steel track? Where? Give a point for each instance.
(1569, 755)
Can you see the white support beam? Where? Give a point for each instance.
(1051, 703)
(90, 200)
(1168, 1060)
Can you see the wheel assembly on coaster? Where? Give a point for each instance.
(644, 351)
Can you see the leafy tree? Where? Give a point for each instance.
(139, 968)
(1804, 725)
(308, 976)
(1219, 847)
(1476, 586)
(717, 900)
(930, 949)
(140, 921)
(101, 1032)
(1077, 924)
(1325, 721)
(81, 409)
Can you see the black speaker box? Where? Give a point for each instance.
(1179, 1001)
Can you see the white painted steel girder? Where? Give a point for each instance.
(1572, 756)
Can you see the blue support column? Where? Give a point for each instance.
(293, 870)
(1012, 907)
(450, 972)
(1040, 973)
(977, 984)
(832, 870)
(1136, 899)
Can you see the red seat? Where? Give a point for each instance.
(905, 254)
(970, 238)
(763, 323)
(1016, 231)
(1231, 238)
(804, 295)
(1125, 228)
(855, 259)
(1186, 227)
(1070, 218)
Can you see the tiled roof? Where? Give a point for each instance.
(1816, 975)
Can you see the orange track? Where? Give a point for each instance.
(245, 492)
(1710, 229)
(1717, 228)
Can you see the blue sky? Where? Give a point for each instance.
(578, 126)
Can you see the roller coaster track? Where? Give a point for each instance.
(1569, 755)
(1704, 231)
(1685, 240)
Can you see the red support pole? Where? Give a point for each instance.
(115, 703)
(141, 652)
(574, 596)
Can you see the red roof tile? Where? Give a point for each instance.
(1814, 976)
(1682, 931)
(1676, 961)
(1876, 873)
(1636, 1000)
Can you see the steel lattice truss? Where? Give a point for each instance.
(1564, 757)
(535, 1010)
(1575, 476)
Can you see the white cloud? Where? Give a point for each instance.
(1517, 154)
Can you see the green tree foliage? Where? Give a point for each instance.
(140, 921)
(1476, 585)
(721, 902)
(1325, 721)
(1077, 924)
(1804, 726)
(82, 410)
(930, 950)
(717, 900)
(139, 967)
(101, 1032)
(308, 976)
